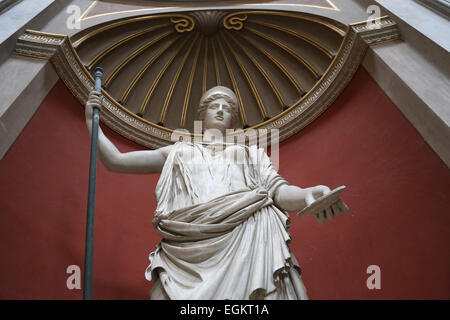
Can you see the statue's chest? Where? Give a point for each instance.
(214, 164)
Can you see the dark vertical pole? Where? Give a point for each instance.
(89, 249)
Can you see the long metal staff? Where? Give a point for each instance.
(89, 249)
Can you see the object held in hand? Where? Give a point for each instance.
(327, 206)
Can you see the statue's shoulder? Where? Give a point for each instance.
(258, 155)
(184, 144)
(180, 146)
(165, 151)
(255, 149)
(174, 151)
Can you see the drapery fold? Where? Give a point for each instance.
(227, 242)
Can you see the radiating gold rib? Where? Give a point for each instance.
(216, 66)
(339, 31)
(259, 102)
(160, 74)
(110, 48)
(287, 49)
(141, 72)
(261, 70)
(136, 53)
(162, 116)
(281, 67)
(111, 26)
(333, 65)
(205, 66)
(137, 19)
(236, 89)
(189, 86)
(295, 34)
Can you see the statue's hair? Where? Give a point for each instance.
(215, 93)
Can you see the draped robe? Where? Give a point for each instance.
(222, 235)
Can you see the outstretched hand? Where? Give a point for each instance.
(328, 210)
(314, 193)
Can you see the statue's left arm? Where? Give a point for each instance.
(293, 198)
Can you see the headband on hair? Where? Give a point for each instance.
(217, 93)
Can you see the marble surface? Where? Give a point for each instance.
(415, 72)
(29, 81)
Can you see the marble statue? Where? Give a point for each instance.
(223, 223)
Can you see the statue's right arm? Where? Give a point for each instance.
(149, 161)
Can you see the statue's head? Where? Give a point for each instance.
(218, 109)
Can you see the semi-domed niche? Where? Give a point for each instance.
(159, 66)
(285, 68)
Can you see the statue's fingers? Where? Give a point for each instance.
(336, 210)
(322, 217)
(94, 104)
(92, 97)
(320, 191)
(324, 189)
(342, 206)
(329, 213)
(94, 94)
(97, 101)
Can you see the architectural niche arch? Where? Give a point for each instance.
(285, 67)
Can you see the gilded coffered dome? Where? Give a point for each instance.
(158, 66)
(285, 67)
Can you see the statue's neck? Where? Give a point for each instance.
(214, 135)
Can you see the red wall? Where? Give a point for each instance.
(398, 192)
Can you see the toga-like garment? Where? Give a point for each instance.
(222, 235)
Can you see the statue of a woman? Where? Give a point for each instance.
(223, 222)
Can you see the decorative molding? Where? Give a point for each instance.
(336, 78)
(182, 23)
(59, 49)
(372, 32)
(234, 21)
(80, 82)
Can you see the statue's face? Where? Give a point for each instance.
(218, 115)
